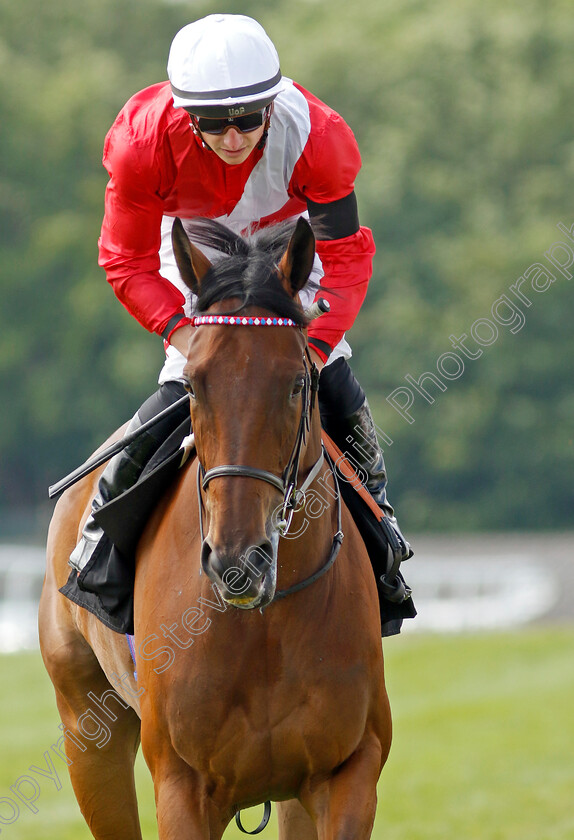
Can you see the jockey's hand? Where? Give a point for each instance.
(180, 339)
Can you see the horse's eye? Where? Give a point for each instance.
(298, 386)
(189, 388)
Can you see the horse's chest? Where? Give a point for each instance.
(264, 716)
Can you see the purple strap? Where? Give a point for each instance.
(132, 648)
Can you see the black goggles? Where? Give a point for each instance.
(245, 123)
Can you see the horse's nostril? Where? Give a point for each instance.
(241, 573)
(259, 559)
(206, 552)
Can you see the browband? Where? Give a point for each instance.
(242, 321)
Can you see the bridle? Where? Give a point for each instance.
(287, 483)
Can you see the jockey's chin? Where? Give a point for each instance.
(233, 147)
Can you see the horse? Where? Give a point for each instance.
(257, 629)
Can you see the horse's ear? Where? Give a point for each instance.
(297, 261)
(192, 264)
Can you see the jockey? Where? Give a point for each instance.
(230, 138)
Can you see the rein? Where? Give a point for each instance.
(335, 545)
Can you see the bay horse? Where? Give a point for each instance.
(259, 659)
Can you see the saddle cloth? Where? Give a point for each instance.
(105, 586)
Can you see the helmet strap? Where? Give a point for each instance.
(263, 141)
(197, 132)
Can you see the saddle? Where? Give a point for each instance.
(105, 586)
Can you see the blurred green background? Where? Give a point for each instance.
(474, 756)
(463, 113)
(482, 748)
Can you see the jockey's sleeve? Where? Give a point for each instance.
(131, 233)
(324, 177)
(347, 263)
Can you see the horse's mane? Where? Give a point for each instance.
(247, 268)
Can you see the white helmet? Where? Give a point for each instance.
(222, 63)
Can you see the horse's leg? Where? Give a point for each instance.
(294, 822)
(101, 769)
(183, 807)
(344, 806)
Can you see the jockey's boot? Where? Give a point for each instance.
(121, 473)
(347, 418)
(363, 446)
(124, 469)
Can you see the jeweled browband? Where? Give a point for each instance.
(241, 321)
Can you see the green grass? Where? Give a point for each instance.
(483, 743)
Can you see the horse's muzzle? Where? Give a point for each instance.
(245, 579)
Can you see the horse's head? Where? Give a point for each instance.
(250, 389)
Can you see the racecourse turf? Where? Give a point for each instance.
(483, 743)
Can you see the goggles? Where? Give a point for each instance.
(217, 125)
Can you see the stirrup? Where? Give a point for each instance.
(393, 586)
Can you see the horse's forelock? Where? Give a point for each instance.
(247, 268)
